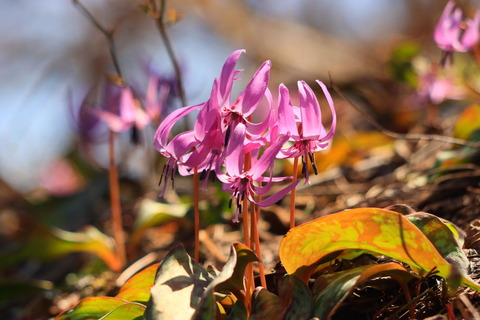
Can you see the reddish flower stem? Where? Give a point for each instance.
(255, 212)
(116, 210)
(249, 280)
(196, 214)
(293, 194)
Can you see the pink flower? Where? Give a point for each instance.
(216, 119)
(130, 114)
(241, 183)
(304, 124)
(451, 34)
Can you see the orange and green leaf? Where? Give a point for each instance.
(103, 308)
(46, 244)
(375, 230)
(137, 288)
(468, 123)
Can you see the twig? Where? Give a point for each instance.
(107, 33)
(115, 205)
(168, 45)
(408, 136)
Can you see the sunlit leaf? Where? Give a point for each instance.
(46, 244)
(446, 238)
(468, 123)
(266, 305)
(297, 296)
(127, 311)
(152, 213)
(178, 289)
(137, 288)
(232, 276)
(96, 308)
(376, 230)
(331, 289)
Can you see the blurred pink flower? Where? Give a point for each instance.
(130, 114)
(452, 33)
(61, 179)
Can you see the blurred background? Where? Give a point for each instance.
(51, 56)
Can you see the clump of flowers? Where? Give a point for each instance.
(240, 152)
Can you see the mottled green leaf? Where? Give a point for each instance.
(137, 288)
(331, 289)
(297, 296)
(376, 230)
(446, 238)
(179, 286)
(46, 244)
(266, 305)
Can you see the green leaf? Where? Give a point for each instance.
(239, 312)
(297, 296)
(232, 276)
(446, 237)
(152, 213)
(127, 311)
(137, 288)
(46, 244)
(94, 308)
(331, 289)
(178, 289)
(266, 305)
(401, 65)
(11, 289)
(376, 230)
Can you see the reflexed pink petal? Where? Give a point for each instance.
(127, 106)
(255, 89)
(114, 122)
(228, 73)
(310, 112)
(286, 118)
(255, 130)
(163, 132)
(181, 144)
(234, 155)
(268, 157)
(274, 198)
(205, 147)
(333, 126)
(471, 36)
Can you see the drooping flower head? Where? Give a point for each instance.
(243, 183)
(304, 124)
(452, 33)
